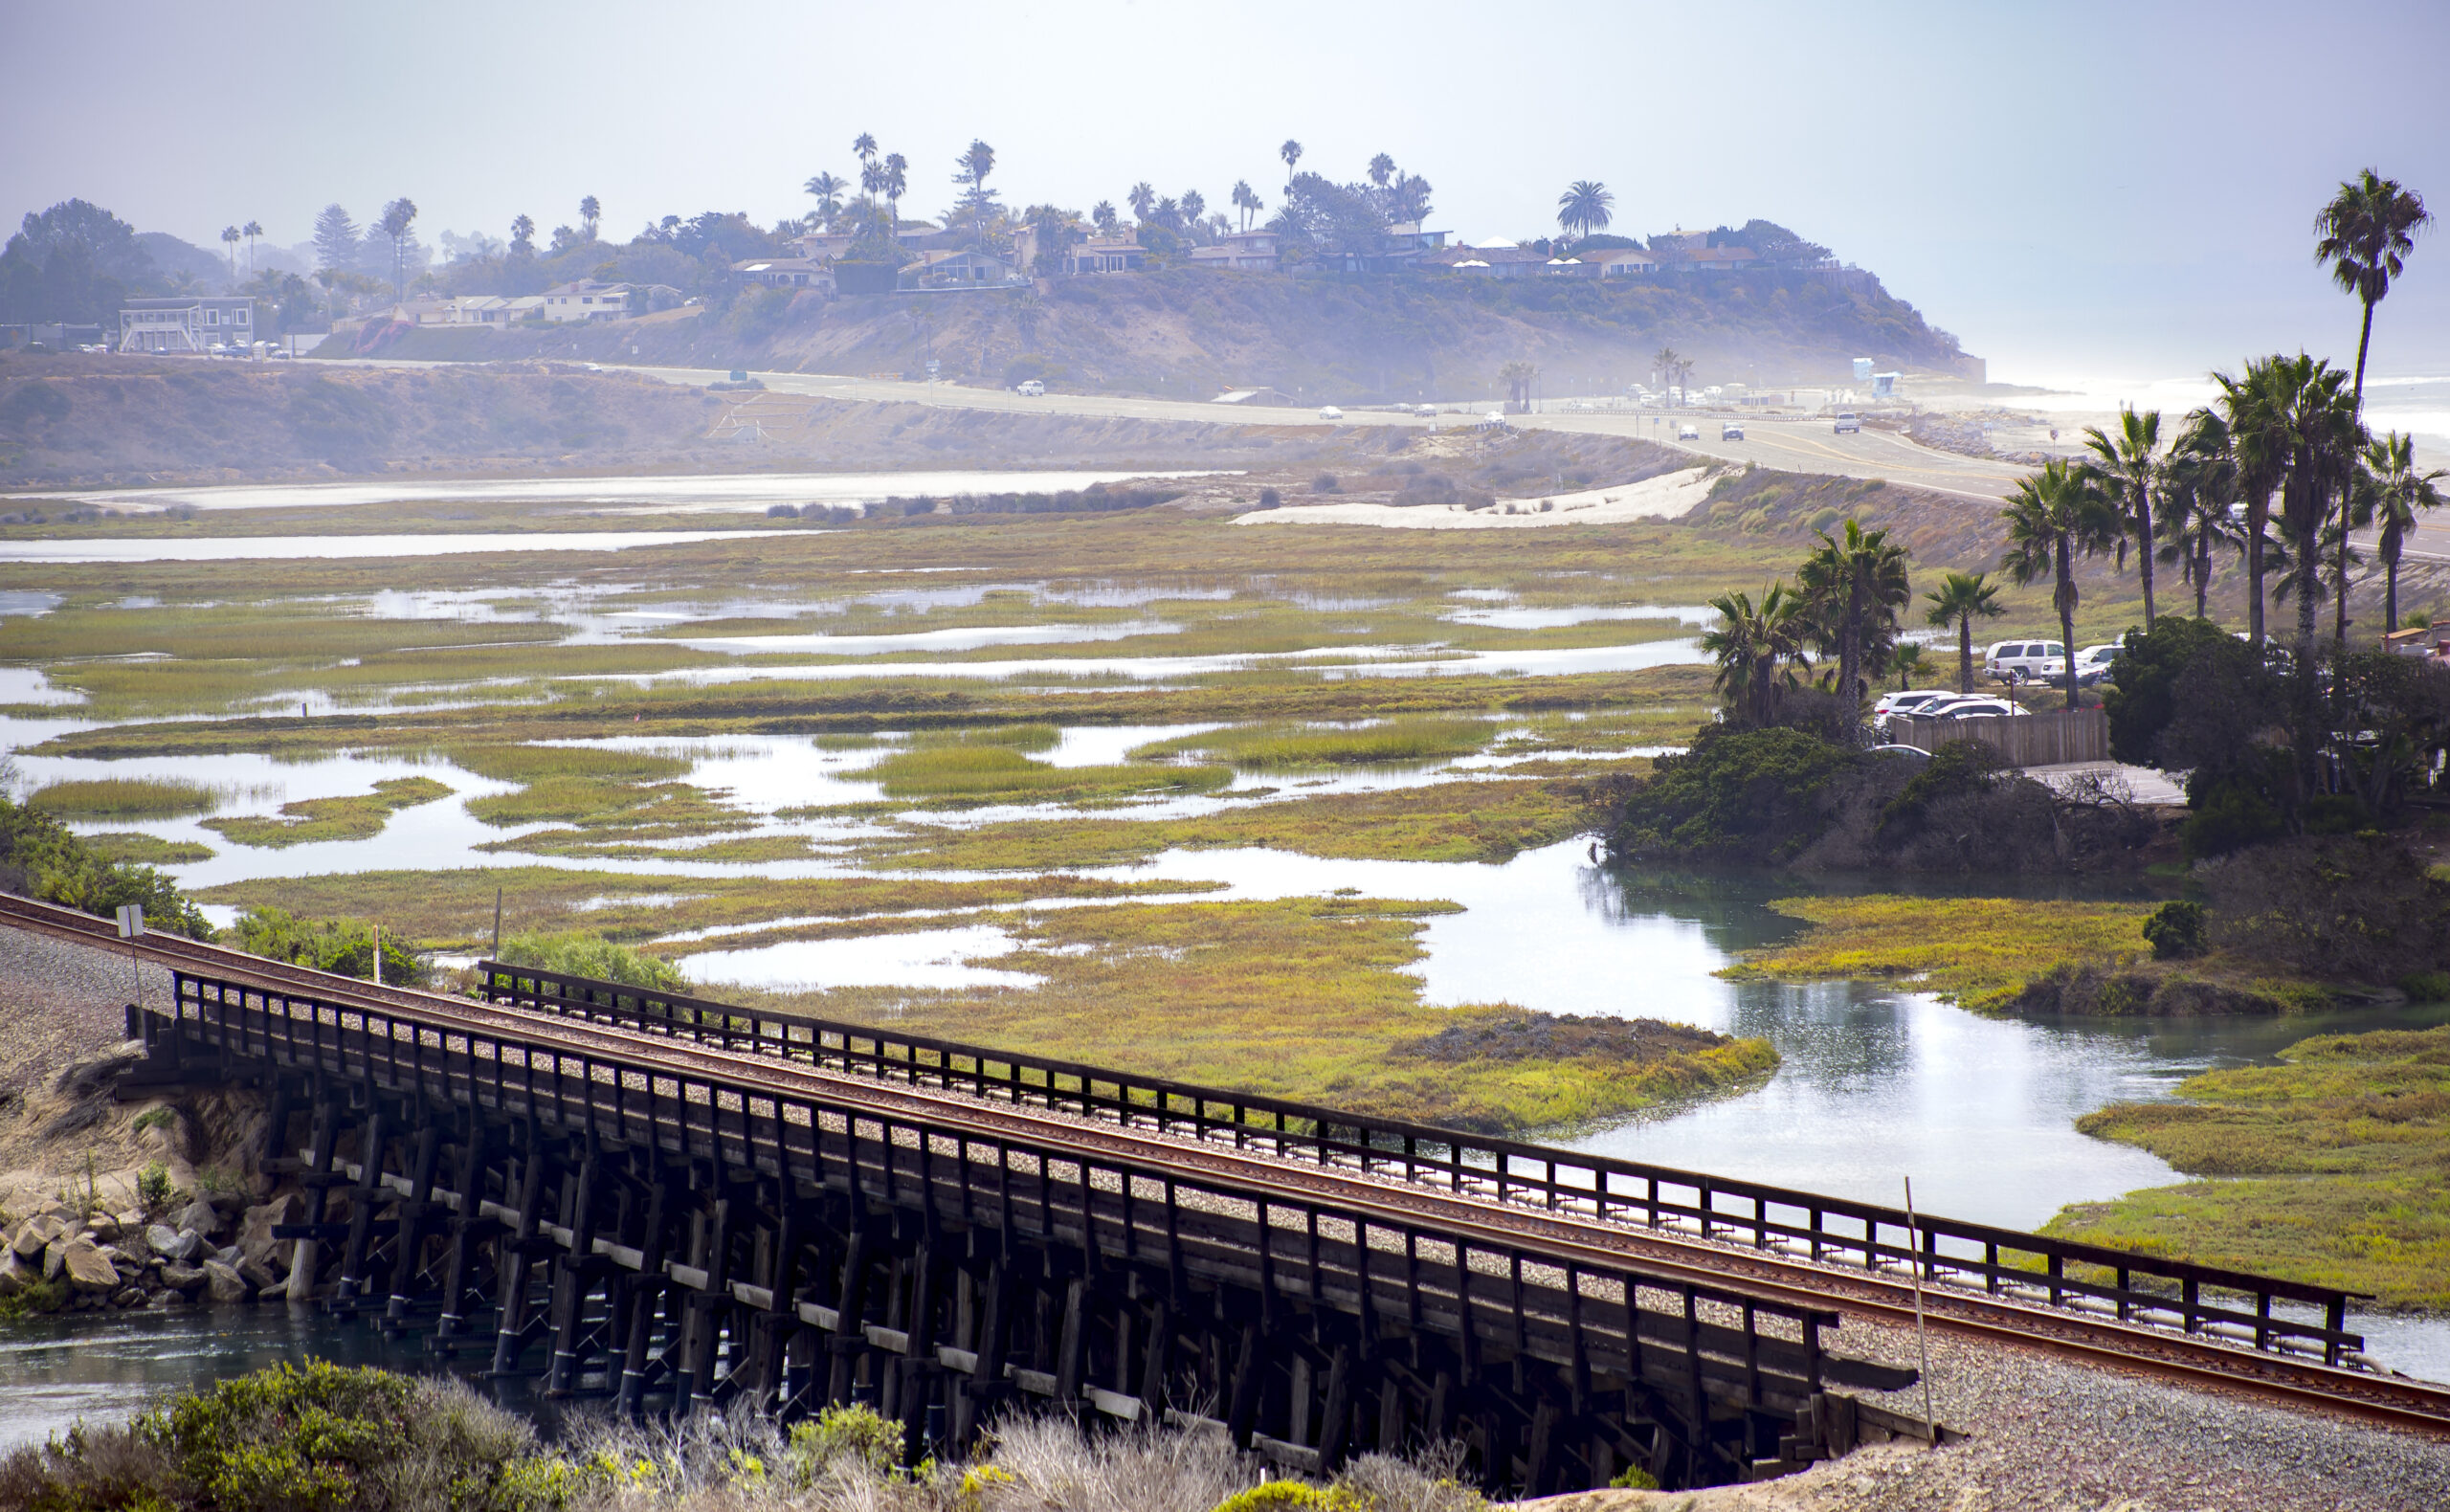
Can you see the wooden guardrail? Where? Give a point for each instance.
(2022, 740)
(2135, 1287)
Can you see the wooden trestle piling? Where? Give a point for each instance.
(669, 1226)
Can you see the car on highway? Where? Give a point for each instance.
(2020, 661)
(1427, 412)
(1328, 411)
(1689, 433)
(1730, 432)
(1030, 388)
(1848, 424)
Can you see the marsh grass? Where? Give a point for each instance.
(358, 818)
(979, 773)
(1033, 737)
(147, 850)
(1278, 746)
(1970, 951)
(2325, 1169)
(128, 798)
(528, 763)
(668, 808)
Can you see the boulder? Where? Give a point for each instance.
(129, 1297)
(183, 1278)
(14, 1274)
(199, 1215)
(54, 1255)
(222, 1285)
(36, 1233)
(162, 1240)
(229, 1255)
(255, 1229)
(103, 1227)
(257, 1274)
(88, 1268)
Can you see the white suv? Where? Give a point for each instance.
(2024, 661)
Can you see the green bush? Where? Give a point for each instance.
(1736, 796)
(40, 858)
(1635, 1477)
(2233, 809)
(342, 946)
(2427, 986)
(2175, 931)
(853, 1437)
(591, 955)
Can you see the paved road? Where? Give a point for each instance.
(1803, 446)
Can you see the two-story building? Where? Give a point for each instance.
(186, 323)
(1105, 254)
(1242, 251)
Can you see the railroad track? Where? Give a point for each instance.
(1568, 1237)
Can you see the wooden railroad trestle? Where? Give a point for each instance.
(668, 1231)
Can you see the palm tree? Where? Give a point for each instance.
(1906, 662)
(2198, 501)
(1195, 208)
(2259, 469)
(1291, 154)
(975, 162)
(1585, 207)
(1667, 361)
(229, 239)
(829, 191)
(1854, 586)
(251, 230)
(864, 147)
(1382, 167)
(2054, 517)
(1103, 216)
(1519, 376)
(2307, 421)
(896, 183)
(1143, 200)
(1753, 646)
(1964, 597)
(2364, 233)
(2126, 469)
(2396, 491)
(396, 216)
(590, 214)
(523, 236)
(1246, 201)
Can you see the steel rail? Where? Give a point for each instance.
(1573, 1239)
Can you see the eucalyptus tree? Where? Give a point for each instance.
(1757, 648)
(1586, 206)
(2054, 517)
(2128, 468)
(2365, 234)
(1961, 599)
(2395, 492)
(1854, 585)
(2199, 497)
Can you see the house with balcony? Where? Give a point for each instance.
(1105, 254)
(186, 323)
(1242, 251)
(956, 270)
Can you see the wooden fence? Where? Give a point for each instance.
(2022, 740)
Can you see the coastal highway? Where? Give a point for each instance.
(1800, 446)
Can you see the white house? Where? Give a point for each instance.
(787, 273)
(1623, 262)
(1105, 254)
(186, 323)
(1242, 251)
(590, 300)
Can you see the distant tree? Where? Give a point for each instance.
(1408, 199)
(1962, 598)
(1103, 215)
(2128, 469)
(1246, 201)
(2054, 517)
(1382, 167)
(251, 230)
(829, 191)
(1519, 376)
(1585, 207)
(1906, 662)
(972, 168)
(864, 147)
(1853, 587)
(335, 238)
(74, 261)
(230, 235)
(896, 183)
(2199, 499)
(1028, 309)
(1143, 200)
(396, 219)
(590, 214)
(1757, 648)
(523, 236)
(1194, 209)
(2260, 467)
(2364, 233)
(1291, 154)
(2396, 492)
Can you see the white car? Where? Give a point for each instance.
(2097, 665)
(1974, 706)
(2023, 660)
(1909, 700)
(1689, 433)
(1848, 424)
(1030, 388)
(1427, 412)
(1328, 411)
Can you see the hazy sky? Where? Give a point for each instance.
(2119, 189)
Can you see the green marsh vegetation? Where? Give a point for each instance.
(103, 798)
(345, 947)
(578, 953)
(357, 817)
(146, 850)
(41, 858)
(975, 772)
(1277, 745)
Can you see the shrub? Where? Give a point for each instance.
(2426, 987)
(853, 1437)
(2347, 909)
(40, 858)
(2175, 931)
(578, 954)
(342, 946)
(2145, 697)
(2241, 806)
(1270, 499)
(1735, 796)
(153, 1187)
(1325, 483)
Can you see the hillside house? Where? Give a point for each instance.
(787, 273)
(1242, 251)
(593, 299)
(956, 270)
(1105, 254)
(186, 323)
(1496, 259)
(1623, 262)
(1710, 259)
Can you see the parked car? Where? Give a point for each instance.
(2022, 660)
(1328, 411)
(1730, 432)
(2096, 664)
(1904, 752)
(1689, 433)
(1030, 388)
(1974, 705)
(1909, 702)
(1427, 412)
(1848, 423)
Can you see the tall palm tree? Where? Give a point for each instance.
(829, 191)
(1246, 201)
(1755, 647)
(1962, 598)
(1382, 167)
(975, 162)
(2054, 517)
(2306, 421)
(523, 236)
(1143, 200)
(2198, 501)
(1291, 154)
(2365, 234)
(2395, 492)
(2260, 467)
(251, 230)
(396, 216)
(1668, 363)
(229, 239)
(896, 182)
(591, 216)
(1586, 206)
(864, 147)
(1195, 208)
(2127, 468)
(1855, 584)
